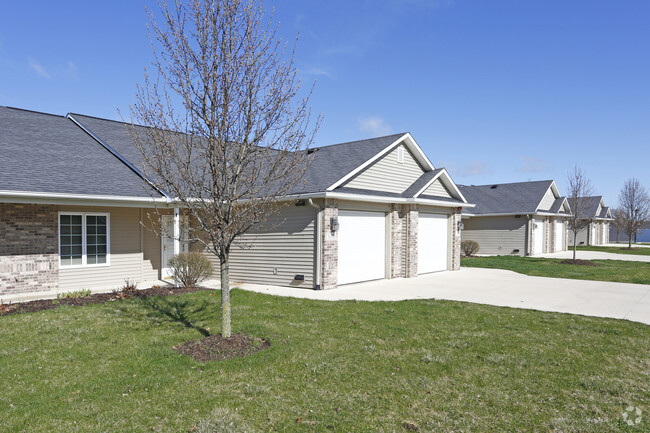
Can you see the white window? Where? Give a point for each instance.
(84, 239)
(400, 155)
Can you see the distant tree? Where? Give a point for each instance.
(579, 189)
(617, 221)
(227, 131)
(633, 208)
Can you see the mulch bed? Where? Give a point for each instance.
(96, 298)
(215, 347)
(579, 262)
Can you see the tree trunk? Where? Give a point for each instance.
(225, 296)
(575, 239)
(629, 241)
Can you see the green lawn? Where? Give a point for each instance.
(607, 270)
(641, 251)
(332, 366)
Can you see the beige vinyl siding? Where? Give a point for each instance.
(126, 258)
(387, 174)
(437, 189)
(548, 200)
(496, 235)
(581, 238)
(289, 246)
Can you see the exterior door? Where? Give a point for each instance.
(362, 246)
(433, 242)
(167, 242)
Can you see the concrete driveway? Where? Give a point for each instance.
(596, 255)
(495, 287)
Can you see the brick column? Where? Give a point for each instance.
(411, 212)
(330, 245)
(455, 240)
(545, 227)
(396, 241)
(29, 259)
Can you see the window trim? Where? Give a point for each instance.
(84, 240)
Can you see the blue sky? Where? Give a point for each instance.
(496, 91)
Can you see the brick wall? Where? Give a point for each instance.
(455, 240)
(411, 214)
(28, 248)
(531, 237)
(396, 240)
(330, 244)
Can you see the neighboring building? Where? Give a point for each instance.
(74, 208)
(524, 218)
(616, 235)
(600, 216)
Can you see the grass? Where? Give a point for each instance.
(619, 271)
(332, 366)
(616, 250)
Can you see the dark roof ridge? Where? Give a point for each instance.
(507, 183)
(32, 111)
(363, 139)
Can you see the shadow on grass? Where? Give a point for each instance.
(177, 310)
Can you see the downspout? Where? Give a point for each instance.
(319, 235)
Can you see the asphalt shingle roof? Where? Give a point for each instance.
(49, 153)
(591, 205)
(521, 197)
(421, 182)
(330, 163)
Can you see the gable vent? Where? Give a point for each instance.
(400, 155)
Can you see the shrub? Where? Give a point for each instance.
(128, 290)
(469, 248)
(190, 268)
(83, 293)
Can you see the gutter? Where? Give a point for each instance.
(56, 197)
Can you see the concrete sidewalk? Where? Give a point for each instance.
(596, 255)
(495, 287)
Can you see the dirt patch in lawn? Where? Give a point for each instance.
(579, 262)
(215, 347)
(96, 298)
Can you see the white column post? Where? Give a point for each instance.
(177, 231)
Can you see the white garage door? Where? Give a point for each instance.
(433, 243)
(559, 236)
(539, 237)
(362, 246)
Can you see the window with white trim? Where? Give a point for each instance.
(84, 239)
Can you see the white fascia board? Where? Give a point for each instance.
(408, 140)
(381, 199)
(448, 182)
(79, 199)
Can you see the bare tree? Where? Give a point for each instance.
(618, 221)
(227, 129)
(633, 208)
(579, 191)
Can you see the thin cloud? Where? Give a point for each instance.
(316, 72)
(71, 70)
(38, 68)
(531, 164)
(374, 125)
(475, 168)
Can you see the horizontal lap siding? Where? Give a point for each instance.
(126, 260)
(437, 189)
(288, 246)
(389, 175)
(496, 235)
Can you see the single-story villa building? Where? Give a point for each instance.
(600, 216)
(524, 218)
(75, 211)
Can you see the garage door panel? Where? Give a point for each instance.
(559, 236)
(433, 242)
(361, 246)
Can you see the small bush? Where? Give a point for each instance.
(469, 248)
(128, 290)
(190, 268)
(84, 293)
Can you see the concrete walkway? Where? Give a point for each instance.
(596, 255)
(495, 287)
